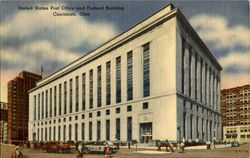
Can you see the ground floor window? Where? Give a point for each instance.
(145, 132)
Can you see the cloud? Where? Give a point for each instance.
(230, 44)
(215, 30)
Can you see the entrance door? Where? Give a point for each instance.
(145, 132)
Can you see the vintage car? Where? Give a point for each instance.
(57, 146)
(99, 146)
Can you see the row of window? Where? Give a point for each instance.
(39, 105)
(45, 134)
(98, 114)
(208, 82)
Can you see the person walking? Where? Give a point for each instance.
(80, 154)
(19, 154)
(106, 151)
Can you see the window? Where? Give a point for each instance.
(46, 104)
(76, 132)
(118, 79)
(90, 130)
(195, 76)
(145, 105)
(70, 96)
(83, 116)
(64, 132)
(64, 119)
(130, 75)
(98, 130)
(146, 71)
(70, 132)
(98, 114)
(50, 133)
(90, 115)
(108, 88)
(55, 106)
(34, 111)
(60, 100)
(77, 94)
(118, 129)
(42, 105)
(129, 108)
(201, 68)
(76, 117)
(83, 91)
(107, 112)
(38, 106)
(59, 120)
(99, 86)
(191, 126)
(189, 71)
(183, 42)
(83, 131)
(117, 110)
(107, 129)
(59, 132)
(65, 97)
(91, 89)
(70, 118)
(129, 128)
(54, 134)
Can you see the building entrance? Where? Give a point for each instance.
(145, 132)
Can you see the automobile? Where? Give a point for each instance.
(235, 144)
(56, 146)
(99, 146)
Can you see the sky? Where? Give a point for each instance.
(31, 38)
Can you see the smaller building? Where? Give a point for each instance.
(235, 109)
(3, 122)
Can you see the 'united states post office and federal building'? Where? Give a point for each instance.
(155, 81)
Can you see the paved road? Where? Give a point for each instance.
(238, 152)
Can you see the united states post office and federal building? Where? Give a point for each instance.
(156, 81)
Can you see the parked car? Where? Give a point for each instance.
(56, 146)
(99, 146)
(235, 144)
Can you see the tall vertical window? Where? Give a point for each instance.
(189, 71)
(54, 133)
(65, 97)
(46, 104)
(50, 102)
(130, 75)
(146, 71)
(197, 127)
(39, 107)
(107, 129)
(64, 132)
(98, 130)
(99, 86)
(118, 129)
(129, 128)
(59, 133)
(70, 134)
(83, 131)
(42, 134)
(191, 127)
(55, 109)
(60, 100)
(108, 85)
(76, 132)
(70, 96)
(77, 94)
(34, 111)
(195, 77)
(49, 133)
(46, 134)
(38, 134)
(42, 105)
(83, 91)
(118, 79)
(91, 89)
(201, 69)
(183, 42)
(90, 130)
(184, 119)
(205, 83)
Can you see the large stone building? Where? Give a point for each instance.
(235, 109)
(155, 81)
(18, 105)
(3, 122)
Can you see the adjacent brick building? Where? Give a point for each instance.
(3, 122)
(18, 105)
(235, 109)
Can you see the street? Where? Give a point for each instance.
(229, 152)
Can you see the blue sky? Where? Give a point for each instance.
(30, 39)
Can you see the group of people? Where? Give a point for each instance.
(80, 149)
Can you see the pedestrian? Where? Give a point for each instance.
(18, 151)
(80, 151)
(171, 148)
(106, 151)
